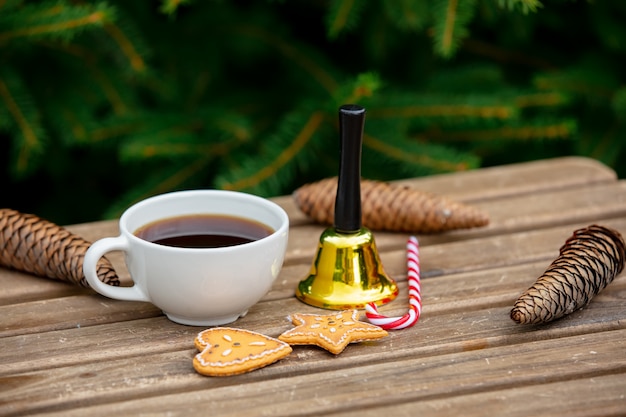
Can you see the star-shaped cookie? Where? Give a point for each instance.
(332, 332)
(226, 351)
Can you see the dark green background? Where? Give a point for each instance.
(572, 48)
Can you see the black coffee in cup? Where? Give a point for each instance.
(203, 231)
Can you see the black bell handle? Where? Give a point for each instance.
(348, 200)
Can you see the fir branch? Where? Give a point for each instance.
(503, 55)
(296, 53)
(408, 14)
(525, 6)
(493, 111)
(420, 154)
(127, 47)
(609, 25)
(146, 125)
(170, 7)
(56, 20)
(28, 131)
(74, 49)
(10, 4)
(591, 77)
(90, 93)
(548, 99)
(169, 177)
(109, 131)
(257, 169)
(595, 83)
(87, 103)
(180, 176)
(364, 86)
(451, 19)
(73, 121)
(199, 89)
(14, 94)
(472, 78)
(171, 143)
(111, 92)
(342, 15)
(106, 77)
(529, 131)
(77, 128)
(215, 136)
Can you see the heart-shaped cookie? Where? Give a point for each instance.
(227, 351)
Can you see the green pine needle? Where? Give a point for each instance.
(274, 167)
(170, 7)
(451, 20)
(408, 15)
(342, 16)
(54, 20)
(29, 134)
(526, 6)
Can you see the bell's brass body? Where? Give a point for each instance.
(346, 273)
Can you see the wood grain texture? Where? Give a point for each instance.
(69, 351)
(405, 380)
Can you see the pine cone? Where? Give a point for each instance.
(587, 263)
(391, 207)
(37, 246)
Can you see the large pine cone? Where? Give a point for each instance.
(37, 246)
(386, 206)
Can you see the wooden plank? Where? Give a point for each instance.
(557, 207)
(67, 312)
(450, 323)
(68, 350)
(67, 347)
(459, 330)
(505, 181)
(439, 259)
(509, 215)
(473, 186)
(20, 287)
(581, 205)
(500, 182)
(436, 261)
(382, 382)
(600, 396)
(516, 179)
(490, 288)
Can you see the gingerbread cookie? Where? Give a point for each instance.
(332, 332)
(227, 351)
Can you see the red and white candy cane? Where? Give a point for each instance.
(415, 297)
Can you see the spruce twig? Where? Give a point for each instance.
(31, 244)
(391, 207)
(588, 261)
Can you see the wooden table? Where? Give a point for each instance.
(67, 351)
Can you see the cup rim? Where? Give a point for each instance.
(274, 207)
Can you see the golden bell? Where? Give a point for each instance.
(346, 272)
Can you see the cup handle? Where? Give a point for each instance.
(96, 251)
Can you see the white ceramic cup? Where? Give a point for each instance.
(195, 286)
